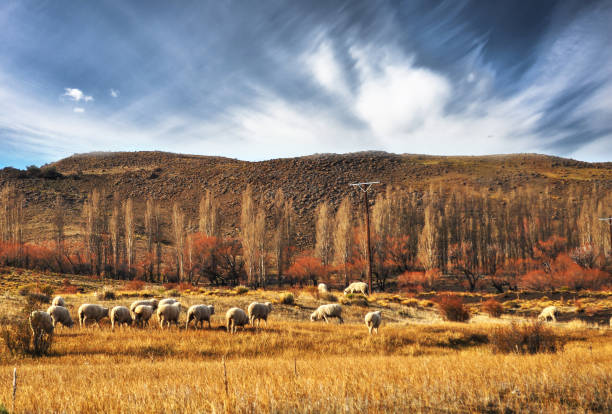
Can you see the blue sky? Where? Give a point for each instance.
(269, 79)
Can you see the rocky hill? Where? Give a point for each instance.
(306, 180)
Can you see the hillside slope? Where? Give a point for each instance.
(306, 180)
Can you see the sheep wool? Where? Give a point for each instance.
(331, 310)
(120, 315)
(168, 313)
(88, 311)
(235, 317)
(372, 321)
(258, 312)
(60, 314)
(357, 287)
(199, 314)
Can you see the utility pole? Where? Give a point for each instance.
(609, 220)
(365, 187)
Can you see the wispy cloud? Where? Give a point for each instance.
(79, 110)
(114, 93)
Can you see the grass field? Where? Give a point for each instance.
(418, 363)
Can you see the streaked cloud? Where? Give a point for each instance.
(453, 78)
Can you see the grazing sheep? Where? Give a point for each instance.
(41, 322)
(357, 287)
(549, 312)
(60, 314)
(149, 302)
(168, 313)
(58, 301)
(322, 288)
(142, 314)
(199, 314)
(88, 311)
(120, 315)
(167, 301)
(332, 310)
(235, 317)
(372, 321)
(258, 312)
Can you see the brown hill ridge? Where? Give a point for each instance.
(306, 180)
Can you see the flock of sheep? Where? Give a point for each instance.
(168, 311)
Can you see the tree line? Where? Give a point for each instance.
(419, 239)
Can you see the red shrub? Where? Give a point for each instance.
(493, 308)
(452, 308)
(135, 284)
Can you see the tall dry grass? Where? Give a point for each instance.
(339, 368)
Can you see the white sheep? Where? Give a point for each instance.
(199, 314)
(58, 301)
(235, 317)
(149, 302)
(60, 314)
(372, 321)
(549, 312)
(167, 301)
(120, 315)
(142, 314)
(331, 310)
(88, 311)
(168, 313)
(322, 288)
(357, 287)
(41, 322)
(258, 312)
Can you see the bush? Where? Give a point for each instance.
(526, 338)
(106, 294)
(354, 299)
(39, 298)
(47, 290)
(18, 337)
(453, 309)
(493, 308)
(183, 286)
(328, 296)
(287, 298)
(241, 290)
(68, 287)
(135, 284)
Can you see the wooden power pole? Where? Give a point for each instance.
(365, 187)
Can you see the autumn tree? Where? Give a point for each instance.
(209, 215)
(283, 232)
(248, 235)
(343, 237)
(323, 234)
(178, 231)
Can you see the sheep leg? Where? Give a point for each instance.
(209, 327)
(325, 318)
(340, 320)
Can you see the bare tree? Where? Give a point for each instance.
(178, 230)
(283, 222)
(152, 222)
(128, 215)
(93, 230)
(323, 236)
(209, 215)
(59, 223)
(248, 234)
(260, 245)
(115, 233)
(343, 237)
(427, 253)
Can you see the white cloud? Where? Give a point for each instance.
(114, 93)
(326, 70)
(79, 110)
(76, 95)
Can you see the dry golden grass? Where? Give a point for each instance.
(298, 366)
